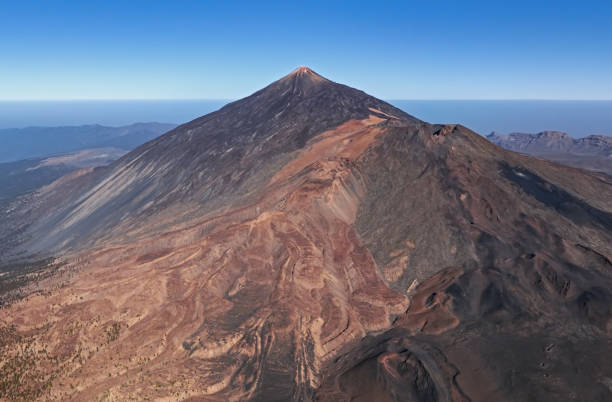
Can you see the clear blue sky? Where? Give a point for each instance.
(394, 50)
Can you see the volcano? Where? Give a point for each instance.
(311, 242)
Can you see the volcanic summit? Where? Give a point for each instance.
(312, 242)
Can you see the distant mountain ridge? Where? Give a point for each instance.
(33, 157)
(593, 152)
(23, 176)
(33, 142)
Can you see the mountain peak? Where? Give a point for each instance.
(313, 243)
(303, 70)
(305, 74)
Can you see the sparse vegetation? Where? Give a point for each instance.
(26, 372)
(112, 332)
(14, 278)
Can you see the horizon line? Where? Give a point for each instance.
(234, 99)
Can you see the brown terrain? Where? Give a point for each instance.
(310, 242)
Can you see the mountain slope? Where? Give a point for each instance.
(593, 152)
(311, 242)
(202, 164)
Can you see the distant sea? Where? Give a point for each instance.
(578, 118)
(21, 114)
